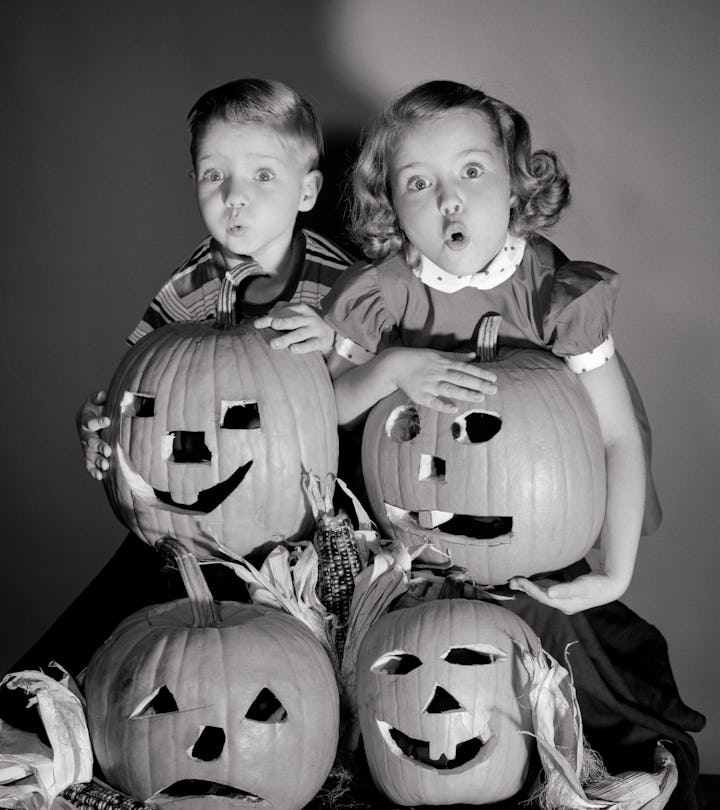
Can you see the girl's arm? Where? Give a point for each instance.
(620, 532)
(428, 377)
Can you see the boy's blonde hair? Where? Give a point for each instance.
(259, 101)
(537, 179)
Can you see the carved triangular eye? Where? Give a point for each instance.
(161, 701)
(266, 708)
(396, 662)
(473, 655)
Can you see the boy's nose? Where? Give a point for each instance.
(236, 194)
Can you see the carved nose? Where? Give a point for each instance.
(442, 701)
(209, 744)
(188, 447)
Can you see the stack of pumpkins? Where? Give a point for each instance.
(211, 431)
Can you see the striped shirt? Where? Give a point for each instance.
(191, 294)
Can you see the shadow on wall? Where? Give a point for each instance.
(107, 88)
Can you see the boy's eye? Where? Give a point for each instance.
(264, 175)
(417, 184)
(212, 175)
(472, 171)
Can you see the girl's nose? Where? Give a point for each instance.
(449, 201)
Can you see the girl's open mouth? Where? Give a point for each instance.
(456, 236)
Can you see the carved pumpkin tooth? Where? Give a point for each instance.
(431, 518)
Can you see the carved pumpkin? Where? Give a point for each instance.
(211, 430)
(442, 699)
(196, 703)
(514, 487)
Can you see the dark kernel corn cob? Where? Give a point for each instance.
(96, 796)
(338, 565)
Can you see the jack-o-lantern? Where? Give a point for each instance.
(198, 703)
(443, 700)
(513, 487)
(211, 431)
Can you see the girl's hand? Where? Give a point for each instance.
(439, 380)
(587, 591)
(305, 330)
(89, 420)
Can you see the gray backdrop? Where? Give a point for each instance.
(98, 208)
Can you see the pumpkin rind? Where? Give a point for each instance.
(492, 702)
(544, 469)
(214, 674)
(189, 374)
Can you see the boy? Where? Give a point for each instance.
(255, 146)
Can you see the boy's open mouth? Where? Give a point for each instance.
(456, 236)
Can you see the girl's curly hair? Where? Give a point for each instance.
(537, 179)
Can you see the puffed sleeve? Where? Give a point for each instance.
(577, 322)
(356, 309)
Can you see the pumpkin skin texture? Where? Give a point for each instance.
(211, 430)
(168, 702)
(443, 681)
(520, 478)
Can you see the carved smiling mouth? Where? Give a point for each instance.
(493, 529)
(469, 751)
(200, 788)
(207, 499)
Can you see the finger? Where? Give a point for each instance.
(263, 322)
(288, 322)
(313, 344)
(97, 423)
(99, 397)
(528, 587)
(289, 338)
(474, 371)
(452, 391)
(437, 403)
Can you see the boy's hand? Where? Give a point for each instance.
(305, 330)
(439, 379)
(89, 421)
(587, 591)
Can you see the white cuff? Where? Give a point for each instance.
(579, 363)
(351, 351)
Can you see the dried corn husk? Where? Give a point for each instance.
(574, 777)
(47, 771)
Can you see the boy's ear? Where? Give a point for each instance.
(311, 185)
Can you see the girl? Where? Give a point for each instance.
(448, 199)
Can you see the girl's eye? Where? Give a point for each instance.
(472, 171)
(417, 184)
(264, 175)
(212, 175)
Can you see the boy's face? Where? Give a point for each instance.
(250, 186)
(451, 190)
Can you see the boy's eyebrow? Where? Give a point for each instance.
(251, 155)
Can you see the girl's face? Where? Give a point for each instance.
(450, 188)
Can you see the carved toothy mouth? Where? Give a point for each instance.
(466, 753)
(490, 529)
(206, 501)
(192, 789)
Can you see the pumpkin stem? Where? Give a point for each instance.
(202, 602)
(225, 318)
(487, 337)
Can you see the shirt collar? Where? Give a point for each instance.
(500, 269)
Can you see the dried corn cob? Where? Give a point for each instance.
(338, 557)
(98, 796)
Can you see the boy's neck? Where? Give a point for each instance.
(273, 262)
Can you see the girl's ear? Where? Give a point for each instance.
(513, 200)
(311, 185)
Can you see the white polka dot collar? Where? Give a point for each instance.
(500, 269)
